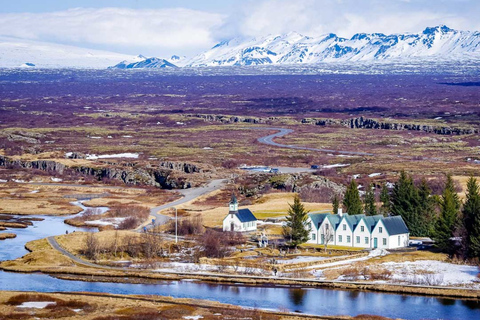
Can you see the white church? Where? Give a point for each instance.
(241, 220)
(358, 231)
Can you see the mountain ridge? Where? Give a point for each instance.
(294, 48)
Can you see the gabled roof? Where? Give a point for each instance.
(353, 220)
(371, 221)
(395, 225)
(245, 215)
(334, 220)
(317, 218)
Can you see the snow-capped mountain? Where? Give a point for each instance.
(141, 62)
(178, 60)
(438, 42)
(15, 53)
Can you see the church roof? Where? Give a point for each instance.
(233, 199)
(245, 215)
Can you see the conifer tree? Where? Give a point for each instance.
(335, 203)
(405, 203)
(447, 221)
(296, 228)
(351, 200)
(385, 199)
(370, 207)
(426, 209)
(471, 218)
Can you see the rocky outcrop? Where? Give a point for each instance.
(181, 166)
(366, 123)
(44, 165)
(169, 177)
(230, 119)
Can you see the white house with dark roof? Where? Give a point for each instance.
(358, 231)
(241, 220)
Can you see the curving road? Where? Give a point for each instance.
(283, 132)
(188, 195)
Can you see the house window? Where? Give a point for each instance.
(384, 241)
(348, 239)
(326, 226)
(362, 228)
(380, 229)
(358, 239)
(399, 241)
(340, 238)
(366, 240)
(344, 227)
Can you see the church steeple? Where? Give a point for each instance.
(233, 204)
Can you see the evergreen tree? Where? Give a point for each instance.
(370, 207)
(447, 221)
(471, 219)
(335, 203)
(426, 209)
(405, 203)
(385, 199)
(296, 228)
(351, 200)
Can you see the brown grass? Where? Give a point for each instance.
(4, 236)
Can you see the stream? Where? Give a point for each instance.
(310, 301)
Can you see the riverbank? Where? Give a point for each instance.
(43, 258)
(26, 305)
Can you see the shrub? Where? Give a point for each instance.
(215, 244)
(129, 223)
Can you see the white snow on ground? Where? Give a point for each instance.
(198, 268)
(106, 156)
(302, 259)
(436, 272)
(35, 191)
(106, 222)
(373, 253)
(374, 174)
(127, 136)
(193, 317)
(56, 179)
(18, 181)
(3, 181)
(336, 165)
(36, 304)
(95, 137)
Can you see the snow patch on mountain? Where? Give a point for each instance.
(438, 42)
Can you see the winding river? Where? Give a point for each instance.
(311, 301)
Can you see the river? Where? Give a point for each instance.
(311, 301)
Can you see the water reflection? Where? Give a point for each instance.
(297, 296)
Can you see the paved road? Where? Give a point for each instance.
(57, 247)
(283, 132)
(188, 195)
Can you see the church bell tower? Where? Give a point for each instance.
(233, 204)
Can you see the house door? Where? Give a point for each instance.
(232, 226)
(375, 242)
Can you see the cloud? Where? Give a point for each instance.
(162, 29)
(347, 17)
(162, 32)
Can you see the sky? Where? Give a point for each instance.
(187, 27)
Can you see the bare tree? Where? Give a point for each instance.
(151, 246)
(327, 233)
(92, 246)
